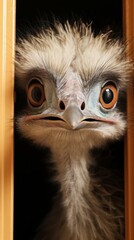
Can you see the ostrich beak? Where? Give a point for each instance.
(72, 118)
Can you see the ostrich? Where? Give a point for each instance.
(74, 83)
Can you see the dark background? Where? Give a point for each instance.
(102, 13)
(33, 191)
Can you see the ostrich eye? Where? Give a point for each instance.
(108, 95)
(35, 93)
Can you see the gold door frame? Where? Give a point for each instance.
(7, 43)
(128, 22)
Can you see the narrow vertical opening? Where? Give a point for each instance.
(34, 191)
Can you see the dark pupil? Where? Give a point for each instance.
(107, 96)
(36, 94)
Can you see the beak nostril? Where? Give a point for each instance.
(83, 106)
(62, 105)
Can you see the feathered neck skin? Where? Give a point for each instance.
(72, 167)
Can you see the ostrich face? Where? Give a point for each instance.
(73, 83)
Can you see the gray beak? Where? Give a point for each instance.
(72, 116)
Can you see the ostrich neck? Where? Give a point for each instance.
(72, 167)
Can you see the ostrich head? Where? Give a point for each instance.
(74, 83)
